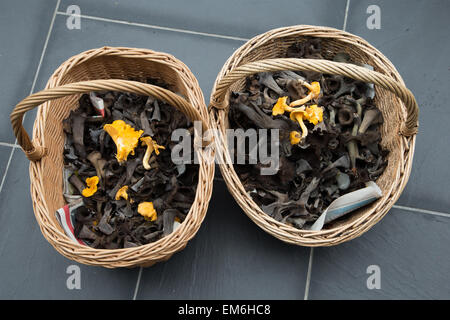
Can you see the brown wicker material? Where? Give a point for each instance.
(266, 52)
(90, 71)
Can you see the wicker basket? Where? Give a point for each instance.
(94, 70)
(398, 106)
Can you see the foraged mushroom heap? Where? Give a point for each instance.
(329, 131)
(120, 166)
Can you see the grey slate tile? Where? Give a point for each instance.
(414, 36)
(30, 267)
(233, 18)
(230, 258)
(4, 156)
(411, 250)
(23, 28)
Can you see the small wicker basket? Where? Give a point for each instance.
(95, 70)
(266, 52)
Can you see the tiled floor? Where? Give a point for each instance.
(230, 257)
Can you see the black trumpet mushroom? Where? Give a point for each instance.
(125, 203)
(339, 151)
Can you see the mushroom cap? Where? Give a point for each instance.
(147, 210)
(146, 140)
(315, 86)
(314, 114)
(92, 183)
(122, 193)
(280, 106)
(298, 112)
(124, 136)
(152, 144)
(295, 137)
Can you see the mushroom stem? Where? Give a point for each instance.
(299, 119)
(353, 152)
(147, 155)
(353, 147)
(77, 183)
(78, 134)
(304, 129)
(332, 115)
(369, 116)
(151, 146)
(314, 92)
(301, 101)
(96, 159)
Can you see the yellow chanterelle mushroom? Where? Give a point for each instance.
(151, 146)
(122, 193)
(147, 210)
(92, 183)
(313, 114)
(298, 115)
(314, 91)
(295, 137)
(280, 106)
(125, 138)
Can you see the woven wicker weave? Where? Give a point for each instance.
(91, 71)
(266, 52)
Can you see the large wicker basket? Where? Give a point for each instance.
(95, 70)
(266, 52)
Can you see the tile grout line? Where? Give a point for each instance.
(11, 145)
(347, 5)
(425, 211)
(149, 26)
(311, 252)
(32, 86)
(308, 274)
(136, 289)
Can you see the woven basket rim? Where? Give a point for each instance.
(284, 232)
(135, 256)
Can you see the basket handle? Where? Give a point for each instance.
(355, 72)
(35, 152)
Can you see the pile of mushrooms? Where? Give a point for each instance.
(329, 129)
(118, 161)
